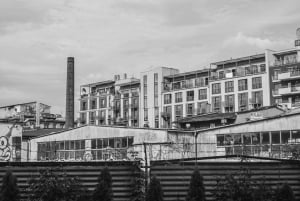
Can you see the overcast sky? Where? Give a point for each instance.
(109, 37)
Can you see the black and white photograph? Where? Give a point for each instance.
(149, 100)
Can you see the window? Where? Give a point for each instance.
(145, 79)
(243, 85)
(145, 114)
(202, 94)
(256, 83)
(178, 97)
(275, 137)
(265, 138)
(229, 103)
(92, 117)
(202, 108)
(285, 137)
(216, 88)
(102, 103)
(189, 83)
(167, 98)
(243, 101)
(257, 99)
(229, 86)
(178, 110)
(82, 118)
(189, 109)
(221, 74)
(295, 137)
(262, 67)
(83, 105)
(216, 103)
(189, 95)
(156, 112)
(201, 82)
(155, 77)
(145, 102)
(93, 103)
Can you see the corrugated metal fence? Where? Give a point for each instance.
(87, 172)
(175, 175)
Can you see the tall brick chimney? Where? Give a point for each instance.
(70, 94)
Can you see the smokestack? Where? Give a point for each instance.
(70, 93)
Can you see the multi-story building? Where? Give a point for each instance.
(151, 96)
(184, 94)
(239, 84)
(111, 102)
(285, 75)
(31, 115)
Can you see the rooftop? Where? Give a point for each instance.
(256, 56)
(188, 73)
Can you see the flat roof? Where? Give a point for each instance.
(98, 83)
(24, 104)
(207, 117)
(286, 51)
(187, 73)
(256, 56)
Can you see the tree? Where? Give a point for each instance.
(154, 192)
(9, 189)
(285, 193)
(55, 185)
(103, 190)
(138, 184)
(196, 189)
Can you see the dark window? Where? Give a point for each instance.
(202, 94)
(189, 95)
(256, 83)
(243, 85)
(229, 86)
(216, 88)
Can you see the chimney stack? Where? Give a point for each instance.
(70, 94)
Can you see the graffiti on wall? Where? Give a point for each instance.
(4, 149)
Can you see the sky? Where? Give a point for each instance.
(109, 37)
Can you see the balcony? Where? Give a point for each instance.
(290, 61)
(287, 76)
(174, 86)
(289, 90)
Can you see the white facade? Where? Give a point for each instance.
(151, 96)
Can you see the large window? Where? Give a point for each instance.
(257, 99)
(229, 103)
(243, 85)
(202, 94)
(167, 98)
(229, 86)
(189, 109)
(243, 101)
(61, 150)
(216, 88)
(178, 110)
(178, 97)
(216, 104)
(83, 105)
(189, 95)
(93, 104)
(102, 103)
(111, 148)
(256, 83)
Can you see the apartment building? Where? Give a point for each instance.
(239, 84)
(184, 94)
(111, 102)
(151, 96)
(285, 75)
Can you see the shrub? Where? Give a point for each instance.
(55, 185)
(154, 192)
(9, 188)
(196, 190)
(103, 190)
(138, 185)
(285, 193)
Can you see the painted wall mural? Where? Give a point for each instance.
(10, 142)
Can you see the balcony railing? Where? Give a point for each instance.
(182, 85)
(284, 62)
(289, 90)
(286, 75)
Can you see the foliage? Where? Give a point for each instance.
(103, 190)
(285, 193)
(138, 184)
(154, 192)
(241, 187)
(9, 188)
(196, 190)
(56, 185)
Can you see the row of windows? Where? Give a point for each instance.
(103, 103)
(257, 138)
(242, 85)
(122, 142)
(243, 101)
(190, 96)
(202, 107)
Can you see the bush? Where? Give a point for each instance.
(9, 188)
(55, 185)
(196, 189)
(154, 192)
(285, 193)
(138, 185)
(240, 187)
(103, 190)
